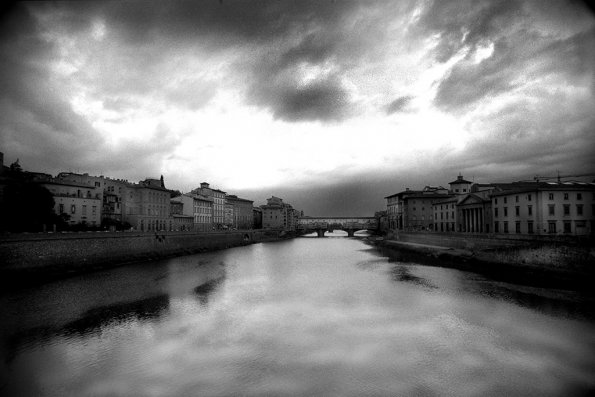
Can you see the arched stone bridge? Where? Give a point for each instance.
(320, 225)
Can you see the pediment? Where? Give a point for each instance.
(471, 199)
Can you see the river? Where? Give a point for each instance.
(304, 317)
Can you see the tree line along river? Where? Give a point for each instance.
(303, 317)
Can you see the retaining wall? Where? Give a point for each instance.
(570, 254)
(53, 255)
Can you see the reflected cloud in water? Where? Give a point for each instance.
(205, 290)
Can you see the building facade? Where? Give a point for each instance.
(199, 208)
(279, 215)
(218, 197)
(79, 203)
(545, 208)
(445, 211)
(243, 217)
(150, 206)
(413, 209)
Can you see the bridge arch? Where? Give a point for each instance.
(321, 225)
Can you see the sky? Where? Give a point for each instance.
(331, 105)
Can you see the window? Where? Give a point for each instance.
(516, 199)
(496, 200)
(517, 227)
(505, 200)
(530, 209)
(94, 210)
(73, 209)
(565, 196)
(566, 209)
(496, 228)
(84, 210)
(505, 211)
(528, 197)
(517, 210)
(505, 227)
(579, 209)
(579, 196)
(61, 208)
(551, 209)
(495, 212)
(551, 227)
(567, 227)
(530, 227)
(551, 196)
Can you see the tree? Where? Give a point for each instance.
(27, 205)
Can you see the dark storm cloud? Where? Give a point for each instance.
(522, 50)
(39, 123)
(398, 104)
(467, 23)
(515, 61)
(276, 37)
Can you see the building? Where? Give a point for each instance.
(78, 203)
(394, 212)
(257, 217)
(199, 208)
(445, 214)
(182, 222)
(545, 208)
(460, 185)
(228, 216)
(474, 213)
(279, 215)
(412, 209)
(148, 203)
(243, 217)
(218, 197)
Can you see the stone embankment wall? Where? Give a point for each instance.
(43, 256)
(540, 251)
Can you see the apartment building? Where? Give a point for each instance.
(277, 214)
(218, 197)
(243, 217)
(413, 209)
(80, 202)
(545, 208)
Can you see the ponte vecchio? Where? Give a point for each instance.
(321, 225)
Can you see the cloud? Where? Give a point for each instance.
(519, 60)
(398, 105)
(467, 23)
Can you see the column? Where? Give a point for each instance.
(475, 219)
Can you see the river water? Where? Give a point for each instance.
(302, 317)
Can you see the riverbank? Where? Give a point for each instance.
(560, 265)
(33, 258)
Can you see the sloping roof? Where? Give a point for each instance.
(459, 181)
(475, 197)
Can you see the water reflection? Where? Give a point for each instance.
(97, 318)
(401, 273)
(559, 302)
(204, 290)
(300, 317)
